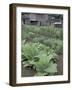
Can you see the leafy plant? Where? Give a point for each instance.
(39, 57)
(41, 45)
(55, 44)
(45, 65)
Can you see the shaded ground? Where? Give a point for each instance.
(60, 65)
(27, 72)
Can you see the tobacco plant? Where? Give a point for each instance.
(40, 58)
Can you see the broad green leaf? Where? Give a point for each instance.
(52, 68)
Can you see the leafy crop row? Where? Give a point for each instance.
(41, 46)
(40, 58)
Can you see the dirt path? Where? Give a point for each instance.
(60, 65)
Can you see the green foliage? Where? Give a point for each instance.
(39, 56)
(45, 65)
(47, 31)
(55, 44)
(29, 50)
(47, 35)
(52, 68)
(41, 46)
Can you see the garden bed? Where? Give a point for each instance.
(42, 50)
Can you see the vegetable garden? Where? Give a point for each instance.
(41, 50)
